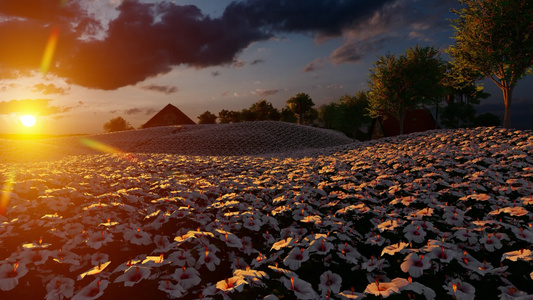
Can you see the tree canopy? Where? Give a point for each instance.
(301, 104)
(207, 118)
(403, 83)
(117, 124)
(494, 39)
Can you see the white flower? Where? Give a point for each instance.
(187, 277)
(133, 275)
(394, 248)
(235, 283)
(302, 289)
(209, 259)
(94, 290)
(383, 289)
(329, 282)
(10, 274)
(59, 288)
(490, 242)
(296, 257)
(415, 264)
(523, 254)
(181, 258)
(460, 290)
(137, 236)
(174, 290)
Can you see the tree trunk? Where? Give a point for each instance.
(507, 97)
(401, 119)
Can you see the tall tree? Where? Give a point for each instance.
(207, 118)
(354, 113)
(117, 124)
(494, 38)
(264, 110)
(300, 105)
(403, 83)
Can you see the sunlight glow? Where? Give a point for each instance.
(99, 146)
(27, 120)
(49, 50)
(6, 192)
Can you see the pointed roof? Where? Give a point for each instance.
(169, 115)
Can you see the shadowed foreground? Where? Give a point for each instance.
(435, 213)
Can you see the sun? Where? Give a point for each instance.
(27, 120)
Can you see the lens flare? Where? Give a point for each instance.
(49, 49)
(6, 192)
(99, 146)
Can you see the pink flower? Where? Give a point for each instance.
(10, 274)
(59, 288)
(133, 275)
(415, 264)
(94, 290)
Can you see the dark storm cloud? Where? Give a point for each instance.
(39, 107)
(165, 89)
(137, 46)
(325, 17)
(149, 39)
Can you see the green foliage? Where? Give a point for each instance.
(264, 110)
(287, 115)
(494, 39)
(403, 83)
(456, 115)
(247, 115)
(487, 119)
(347, 115)
(300, 105)
(117, 124)
(207, 118)
(227, 116)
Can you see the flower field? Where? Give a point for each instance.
(432, 215)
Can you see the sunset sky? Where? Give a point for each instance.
(77, 64)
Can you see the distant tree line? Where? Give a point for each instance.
(493, 39)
